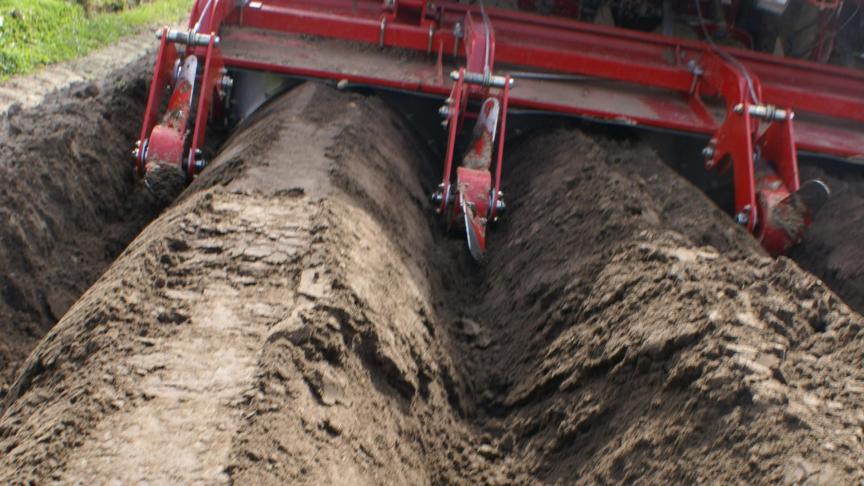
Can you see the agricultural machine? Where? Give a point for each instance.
(759, 110)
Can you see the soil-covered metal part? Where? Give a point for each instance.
(297, 317)
(68, 202)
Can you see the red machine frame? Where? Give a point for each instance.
(657, 81)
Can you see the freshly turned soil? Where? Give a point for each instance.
(68, 201)
(833, 248)
(297, 317)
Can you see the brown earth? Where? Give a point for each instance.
(297, 318)
(68, 202)
(833, 249)
(643, 353)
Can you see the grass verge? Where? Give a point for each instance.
(38, 32)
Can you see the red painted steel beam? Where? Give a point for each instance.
(542, 43)
(325, 24)
(572, 47)
(159, 83)
(814, 102)
(666, 116)
(575, 58)
(444, 90)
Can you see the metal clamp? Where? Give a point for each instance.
(487, 80)
(189, 38)
(765, 112)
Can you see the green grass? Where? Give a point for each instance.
(38, 32)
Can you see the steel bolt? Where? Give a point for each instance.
(708, 153)
(694, 67)
(500, 206)
(227, 83)
(457, 30)
(743, 218)
(140, 150)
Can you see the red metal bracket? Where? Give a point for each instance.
(502, 132)
(211, 83)
(476, 200)
(166, 143)
(163, 73)
(451, 110)
(765, 166)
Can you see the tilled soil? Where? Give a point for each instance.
(631, 348)
(832, 248)
(68, 201)
(294, 223)
(298, 318)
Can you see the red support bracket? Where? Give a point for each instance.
(732, 147)
(476, 199)
(499, 163)
(166, 143)
(212, 83)
(451, 109)
(163, 74)
(732, 144)
(764, 162)
(164, 147)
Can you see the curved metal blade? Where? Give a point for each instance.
(475, 245)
